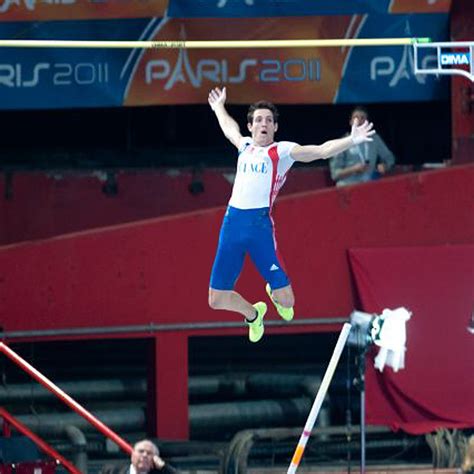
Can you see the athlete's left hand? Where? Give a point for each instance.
(362, 133)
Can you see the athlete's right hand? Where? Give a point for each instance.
(216, 97)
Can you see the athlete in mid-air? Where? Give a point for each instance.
(247, 227)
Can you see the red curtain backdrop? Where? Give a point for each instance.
(436, 283)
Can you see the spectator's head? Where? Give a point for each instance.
(142, 455)
(360, 113)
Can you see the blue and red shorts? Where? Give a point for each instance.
(247, 231)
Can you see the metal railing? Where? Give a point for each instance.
(154, 328)
(65, 398)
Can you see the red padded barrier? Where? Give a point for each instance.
(44, 206)
(135, 274)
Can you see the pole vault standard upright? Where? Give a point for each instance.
(318, 401)
(182, 44)
(39, 377)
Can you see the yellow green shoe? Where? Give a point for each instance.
(256, 328)
(285, 313)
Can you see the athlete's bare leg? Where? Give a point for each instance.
(230, 300)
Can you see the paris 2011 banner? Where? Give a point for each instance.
(54, 77)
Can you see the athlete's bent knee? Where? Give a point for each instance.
(212, 300)
(216, 298)
(288, 301)
(285, 297)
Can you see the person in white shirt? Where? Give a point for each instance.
(248, 227)
(145, 459)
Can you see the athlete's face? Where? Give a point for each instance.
(263, 127)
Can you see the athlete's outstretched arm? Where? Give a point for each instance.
(359, 134)
(228, 125)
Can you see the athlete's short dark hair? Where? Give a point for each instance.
(262, 104)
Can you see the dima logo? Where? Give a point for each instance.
(455, 59)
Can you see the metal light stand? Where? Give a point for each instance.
(361, 340)
(360, 382)
(367, 329)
